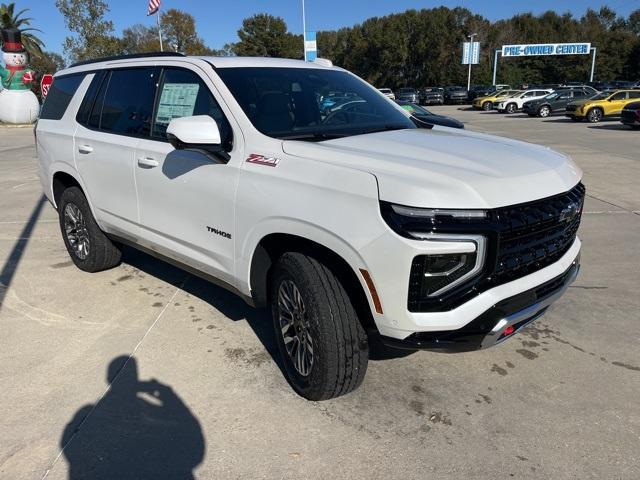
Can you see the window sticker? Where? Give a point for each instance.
(177, 100)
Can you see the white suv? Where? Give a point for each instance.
(515, 103)
(347, 222)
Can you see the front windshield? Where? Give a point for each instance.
(310, 103)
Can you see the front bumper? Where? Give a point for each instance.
(498, 323)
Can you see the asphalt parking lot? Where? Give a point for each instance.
(203, 394)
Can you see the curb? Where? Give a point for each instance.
(17, 125)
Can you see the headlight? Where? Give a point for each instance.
(436, 274)
(459, 253)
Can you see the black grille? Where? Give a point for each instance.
(521, 240)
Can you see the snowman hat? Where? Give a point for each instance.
(12, 41)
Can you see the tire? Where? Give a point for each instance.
(89, 248)
(594, 115)
(544, 111)
(323, 318)
(511, 108)
(486, 106)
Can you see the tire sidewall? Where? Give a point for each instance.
(544, 111)
(304, 386)
(486, 106)
(511, 108)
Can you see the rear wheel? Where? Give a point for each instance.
(322, 344)
(511, 108)
(595, 115)
(486, 106)
(89, 248)
(544, 111)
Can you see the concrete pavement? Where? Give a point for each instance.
(195, 389)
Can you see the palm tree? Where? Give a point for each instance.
(9, 19)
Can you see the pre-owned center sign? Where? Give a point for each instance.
(535, 49)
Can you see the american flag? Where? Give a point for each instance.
(154, 5)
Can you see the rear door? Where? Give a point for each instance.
(111, 126)
(186, 198)
(614, 105)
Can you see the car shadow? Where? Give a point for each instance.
(611, 126)
(560, 120)
(138, 429)
(232, 306)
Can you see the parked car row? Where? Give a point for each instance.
(577, 102)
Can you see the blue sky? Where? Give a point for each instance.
(218, 21)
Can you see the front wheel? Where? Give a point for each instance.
(322, 344)
(486, 106)
(511, 108)
(544, 111)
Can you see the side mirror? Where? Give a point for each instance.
(199, 133)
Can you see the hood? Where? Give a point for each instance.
(448, 168)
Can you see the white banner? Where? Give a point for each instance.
(535, 49)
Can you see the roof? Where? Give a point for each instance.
(217, 62)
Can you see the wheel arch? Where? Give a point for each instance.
(64, 177)
(273, 245)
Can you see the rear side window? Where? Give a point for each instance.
(60, 95)
(634, 94)
(128, 102)
(89, 98)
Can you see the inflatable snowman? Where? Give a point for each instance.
(18, 104)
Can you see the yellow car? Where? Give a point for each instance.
(605, 104)
(486, 103)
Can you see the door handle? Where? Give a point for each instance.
(147, 162)
(85, 149)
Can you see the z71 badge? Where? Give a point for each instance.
(262, 160)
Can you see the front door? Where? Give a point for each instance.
(186, 198)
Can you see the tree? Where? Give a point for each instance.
(93, 34)
(140, 39)
(264, 35)
(10, 19)
(179, 33)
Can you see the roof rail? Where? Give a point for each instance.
(126, 57)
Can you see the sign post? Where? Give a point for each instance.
(470, 55)
(45, 84)
(310, 47)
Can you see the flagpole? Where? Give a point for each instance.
(159, 29)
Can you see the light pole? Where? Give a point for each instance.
(470, 58)
(304, 34)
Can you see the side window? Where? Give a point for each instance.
(182, 93)
(128, 102)
(619, 96)
(634, 94)
(60, 95)
(89, 98)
